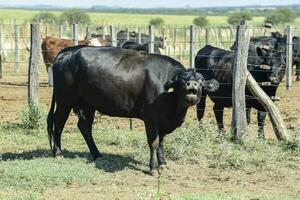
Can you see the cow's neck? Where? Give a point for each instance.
(177, 110)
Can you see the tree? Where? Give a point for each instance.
(45, 17)
(281, 16)
(236, 18)
(156, 21)
(74, 16)
(200, 21)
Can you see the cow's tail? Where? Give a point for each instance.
(50, 121)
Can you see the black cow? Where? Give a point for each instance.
(215, 63)
(296, 56)
(140, 47)
(122, 83)
(277, 41)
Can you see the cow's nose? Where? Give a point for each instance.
(192, 84)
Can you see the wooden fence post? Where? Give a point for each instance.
(289, 57)
(139, 35)
(0, 66)
(277, 121)
(33, 69)
(192, 46)
(239, 70)
(151, 39)
(60, 31)
(127, 34)
(1, 41)
(88, 35)
(174, 39)
(17, 50)
(113, 36)
(206, 36)
(74, 34)
(164, 37)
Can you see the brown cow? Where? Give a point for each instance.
(51, 46)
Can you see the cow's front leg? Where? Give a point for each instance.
(160, 153)
(261, 116)
(153, 141)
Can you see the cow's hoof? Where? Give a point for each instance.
(59, 157)
(98, 156)
(163, 167)
(153, 172)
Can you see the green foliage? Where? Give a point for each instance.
(45, 17)
(281, 16)
(200, 21)
(74, 16)
(32, 117)
(236, 18)
(156, 22)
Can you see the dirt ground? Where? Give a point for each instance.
(13, 96)
(179, 179)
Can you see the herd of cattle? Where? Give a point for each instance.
(152, 87)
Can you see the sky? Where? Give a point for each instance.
(149, 3)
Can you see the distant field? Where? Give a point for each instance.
(127, 19)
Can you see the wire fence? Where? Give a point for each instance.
(177, 42)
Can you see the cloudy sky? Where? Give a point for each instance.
(150, 3)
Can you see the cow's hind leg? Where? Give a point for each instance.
(85, 122)
(261, 116)
(248, 115)
(60, 117)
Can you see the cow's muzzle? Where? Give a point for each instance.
(192, 90)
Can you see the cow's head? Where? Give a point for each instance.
(276, 60)
(188, 84)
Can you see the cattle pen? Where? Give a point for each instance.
(203, 162)
(181, 43)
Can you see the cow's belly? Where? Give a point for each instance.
(113, 99)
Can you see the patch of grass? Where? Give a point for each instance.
(27, 168)
(228, 196)
(32, 117)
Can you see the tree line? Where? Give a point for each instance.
(277, 17)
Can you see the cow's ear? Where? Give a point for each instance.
(211, 85)
(295, 38)
(169, 85)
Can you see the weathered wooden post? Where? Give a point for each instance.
(127, 34)
(74, 34)
(1, 41)
(239, 69)
(0, 66)
(60, 31)
(151, 39)
(192, 47)
(206, 36)
(33, 69)
(88, 33)
(139, 35)
(113, 36)
(17, 50)
(277, 121)
(164, 37)
(289, 57)
(174, 39)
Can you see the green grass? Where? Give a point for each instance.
(27, 170)
(128, 19)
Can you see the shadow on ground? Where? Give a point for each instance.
(109, 162)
